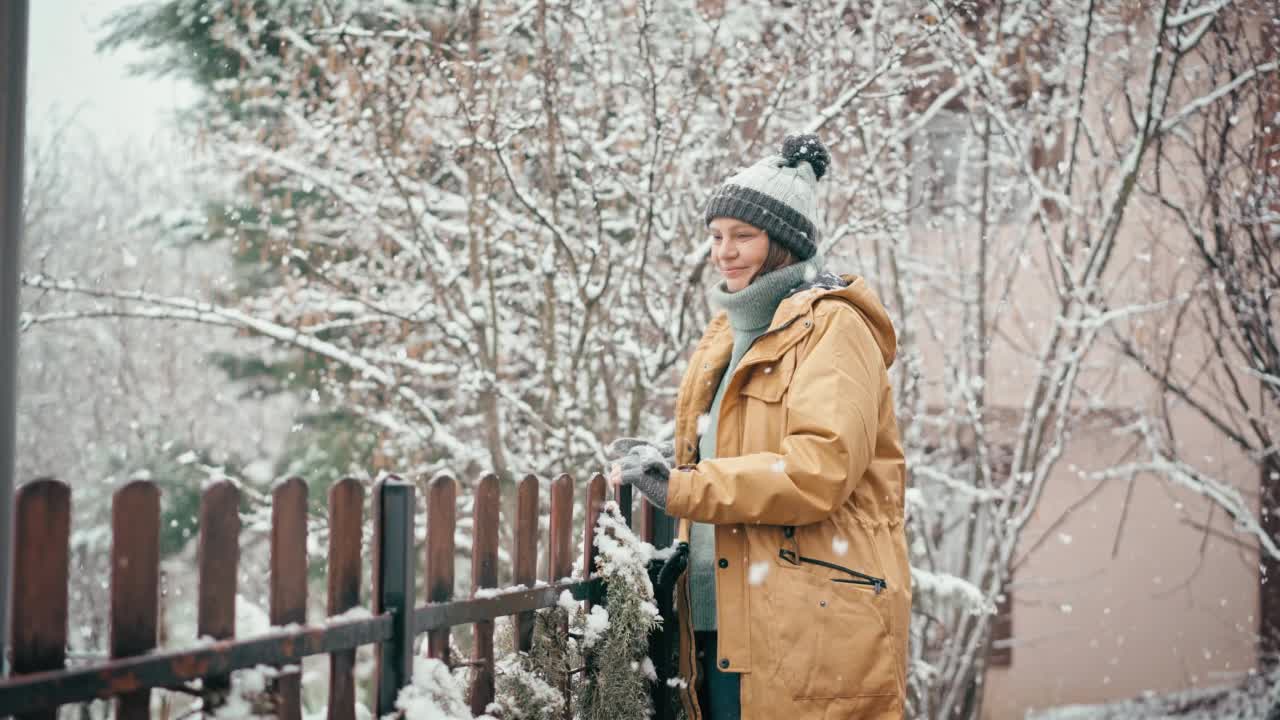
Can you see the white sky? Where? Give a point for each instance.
(66, 76)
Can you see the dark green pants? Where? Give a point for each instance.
(719, 695)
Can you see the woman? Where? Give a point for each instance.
(788, 474)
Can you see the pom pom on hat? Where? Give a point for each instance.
(778, 195)
(806, 148)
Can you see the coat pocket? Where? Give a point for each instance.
(832, 639)
(767, 381)
(762, 415)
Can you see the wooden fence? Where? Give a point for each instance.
(41, 681)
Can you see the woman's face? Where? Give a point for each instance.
(738, 251)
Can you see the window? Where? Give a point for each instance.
(947, 158)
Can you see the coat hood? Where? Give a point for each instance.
(853, 290)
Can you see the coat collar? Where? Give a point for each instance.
(798, 303)
(718, 337)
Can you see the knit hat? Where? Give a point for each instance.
(777, 195)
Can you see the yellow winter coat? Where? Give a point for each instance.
(813, 588)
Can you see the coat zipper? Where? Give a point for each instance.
(857, 578)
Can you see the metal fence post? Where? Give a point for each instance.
(13, 105)
(393, 590)
(664, 529)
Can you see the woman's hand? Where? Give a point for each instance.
(615, 451)
(642, 464)
(646, 469)
(615, 478)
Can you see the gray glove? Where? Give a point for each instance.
(645, 466)
(624, 445)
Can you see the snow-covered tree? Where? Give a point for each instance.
(483, 225)
(1025, 149)
(487, 224)
(1218, 180)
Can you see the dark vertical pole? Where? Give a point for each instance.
(624, 504)
(1269, 495)
(664, 529)
(393, 592)
(13, 105)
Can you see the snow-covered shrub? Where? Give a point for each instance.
(530, 685)
(523, 692)
(434, 694)
(616, 642)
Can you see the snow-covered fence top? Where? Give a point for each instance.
(40, 680)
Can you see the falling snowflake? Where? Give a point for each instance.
(839, 545)
(757, 572)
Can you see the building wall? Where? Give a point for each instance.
(1120, 602)
(1126, 588)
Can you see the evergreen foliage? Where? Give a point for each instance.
(619, 670)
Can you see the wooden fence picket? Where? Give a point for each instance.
(524, 559)
(289, 579)
(484, 575)
(218, 559)
(42, 532)
(648, 517)
(560, 531)
(442, 516)
(559, 549)
(135, 583)
(594, 504)
(346, 520)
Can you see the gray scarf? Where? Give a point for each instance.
(752, 307)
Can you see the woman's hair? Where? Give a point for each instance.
(778, 257)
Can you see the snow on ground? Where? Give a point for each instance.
(1256, 699)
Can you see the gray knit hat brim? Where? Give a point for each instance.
(784, 224)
